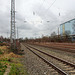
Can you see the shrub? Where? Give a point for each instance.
(2, 68)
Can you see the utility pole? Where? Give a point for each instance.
(13, 33)
(17, 34)
(58, 32)
(7, 37)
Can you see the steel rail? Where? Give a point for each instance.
(64, 61)
(49, 63)
(66, 50)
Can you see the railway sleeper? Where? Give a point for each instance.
(50, 64)
(68, 69)
(73, 71)
(65, 62)
(55, 73)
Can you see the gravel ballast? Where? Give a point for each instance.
(35, 65)
(70, 57)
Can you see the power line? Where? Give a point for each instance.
(39, 6)
(43, 2)
(51, 5)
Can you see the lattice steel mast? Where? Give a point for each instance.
(13, 33)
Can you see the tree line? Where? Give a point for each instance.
(66, 37)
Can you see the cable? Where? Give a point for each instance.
(42, 3)
(52, 4)
(50, 7)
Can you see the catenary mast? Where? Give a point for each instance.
(13, 33)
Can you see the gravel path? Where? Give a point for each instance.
(35, 65)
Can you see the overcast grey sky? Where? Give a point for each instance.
(43, 12)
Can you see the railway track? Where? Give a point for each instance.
(63, 67)
(62, 49)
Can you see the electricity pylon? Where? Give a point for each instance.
(13, 33)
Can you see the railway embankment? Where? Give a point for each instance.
(37, 63)
(10, 62)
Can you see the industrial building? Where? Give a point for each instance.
(68, 28)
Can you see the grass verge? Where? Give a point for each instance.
(2, 68)
(11, 59)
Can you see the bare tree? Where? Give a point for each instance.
(53, 34)
(67, 34)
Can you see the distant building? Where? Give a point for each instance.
(68, 27)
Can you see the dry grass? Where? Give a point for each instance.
(8, 57)
(4, 49)
(14, 55)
